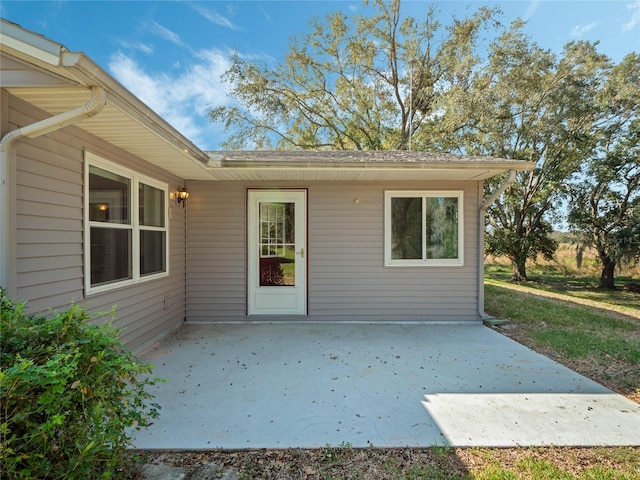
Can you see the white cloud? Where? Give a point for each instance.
(143, 47)
(215, 18)
(635, 16)
(147, 88)
(165, 33)
(182, 98)
(580, 30)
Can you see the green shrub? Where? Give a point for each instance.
(70, 395)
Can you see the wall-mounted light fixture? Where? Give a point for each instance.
(182, 195)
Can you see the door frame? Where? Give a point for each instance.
(250, 310)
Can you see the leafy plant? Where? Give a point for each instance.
(70, 394)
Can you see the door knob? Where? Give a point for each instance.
(301, 253)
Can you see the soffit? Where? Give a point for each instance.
(343, 165)
(115, 126)
(347, 174)
(119, 127)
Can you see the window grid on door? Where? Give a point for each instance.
(273, 241)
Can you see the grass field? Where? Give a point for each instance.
(599, 342)
(561, 313)
(576, 285)
(563, 271)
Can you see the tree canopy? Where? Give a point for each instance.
(539, 107)
(605, 194)
(365, 83)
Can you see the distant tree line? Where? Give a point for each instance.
(474, 86)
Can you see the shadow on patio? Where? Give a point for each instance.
(282, 385)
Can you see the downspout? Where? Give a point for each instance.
(482, 213)
(8, 187)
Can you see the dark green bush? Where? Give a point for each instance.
(70, 395)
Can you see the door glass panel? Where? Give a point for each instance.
(276, 247)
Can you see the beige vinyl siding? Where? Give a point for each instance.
(49, 237)
(347, 279)
(216, 280)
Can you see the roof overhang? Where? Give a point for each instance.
(46, 75)
(344, 165)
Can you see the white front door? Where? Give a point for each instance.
(276, 252)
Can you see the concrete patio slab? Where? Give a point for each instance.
(283, 385)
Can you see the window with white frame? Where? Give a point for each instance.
(424, 228)
(125, 226)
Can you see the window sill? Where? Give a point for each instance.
(425, 264)
(107, 287)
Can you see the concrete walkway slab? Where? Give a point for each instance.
(309, 385)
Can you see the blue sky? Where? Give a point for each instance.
(171, 54)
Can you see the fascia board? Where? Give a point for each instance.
(29, 44)
(490, 165)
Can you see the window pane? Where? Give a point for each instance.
(109, 196)
(406, 228)
(151, 206)
(110, 255)
(152, 252)
(277, 244)
(442, 227)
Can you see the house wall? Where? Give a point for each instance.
(48, 247)
(346, 277)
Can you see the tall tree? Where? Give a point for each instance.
(530, 104)
(382, 81)
(605, 206)
(368, 83)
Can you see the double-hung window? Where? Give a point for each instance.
(424, 228)
(125, 226)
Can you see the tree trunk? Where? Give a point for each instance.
(579, 256)
(519, 270)
(608, 272)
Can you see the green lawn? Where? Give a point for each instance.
(603, 335)
(572, 329)
(556, 281)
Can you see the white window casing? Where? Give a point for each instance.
(423, 250)
(158, 228)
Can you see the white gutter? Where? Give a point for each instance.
(482, 213)
(7, 182)
(85, 71)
